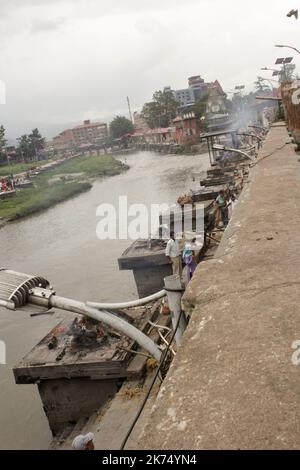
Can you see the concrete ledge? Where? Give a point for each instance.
(233, 385)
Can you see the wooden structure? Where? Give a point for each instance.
(147, 259)
(290, 98)
(7, 194)
(214, 138)
(75, 379)
(149, 265)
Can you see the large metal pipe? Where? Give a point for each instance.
(251, 135)
(7, 304)
(175, 291)
(239, 152)
(105, 317)
(129, 304)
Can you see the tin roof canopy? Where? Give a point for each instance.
(217, 133)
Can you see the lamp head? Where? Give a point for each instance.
(293, 13)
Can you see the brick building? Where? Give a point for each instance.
(188, 128)
(86, 133)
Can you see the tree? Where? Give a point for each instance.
(120, 126)
(260, 84)
(151, 114)
(30, 146)
(286, 73)
(36, 142)
(3, 143)
(24, 149)
(161, 110)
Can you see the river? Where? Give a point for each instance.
(61, 245)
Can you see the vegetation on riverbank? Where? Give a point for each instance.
(47, 193)
(95, 166)
(14, 168)
(36, 199)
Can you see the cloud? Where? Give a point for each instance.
(42, 25)
(64, 60)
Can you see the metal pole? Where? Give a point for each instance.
(45, 298)
(131, 303)
(174, 291)
(239, 152)
(7, 304)
(129, 109)
(209, 153)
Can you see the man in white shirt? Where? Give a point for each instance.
(173, 253)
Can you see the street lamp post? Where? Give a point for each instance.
(270, 81)
(271, 70)
(283, 71)
(239, 92)
(289, 47)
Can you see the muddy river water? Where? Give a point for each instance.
(61, 245)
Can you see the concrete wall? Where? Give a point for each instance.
(67, 401)
(233, 383)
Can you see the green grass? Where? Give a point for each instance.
(36, 199)
(15, 168)
(45, 194)
(91, 166)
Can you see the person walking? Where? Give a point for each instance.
(222, 210)
(173, 253)
(189, 260)
(231, 205)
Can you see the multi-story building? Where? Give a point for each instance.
(86, 133)
(197, 88)
(184, 97)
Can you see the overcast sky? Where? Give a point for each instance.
(68, 60)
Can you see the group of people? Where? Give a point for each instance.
(7, 183)
(224, 204)
(188, 257)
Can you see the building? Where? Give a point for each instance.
(197, 88)
(217, 116)
(188, 128)
(184, 97)
(86, 133)
(161, 135)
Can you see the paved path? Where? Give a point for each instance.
(233, 384)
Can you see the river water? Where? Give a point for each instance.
(61, 245)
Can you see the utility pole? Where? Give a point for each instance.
(129, 109)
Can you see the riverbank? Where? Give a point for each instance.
(15, 168)
(233, 383)
(68, 180)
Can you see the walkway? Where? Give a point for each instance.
(233, 384)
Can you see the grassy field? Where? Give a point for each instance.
(91, 166)
(36, 199)
(15, 168)
(45, 194)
